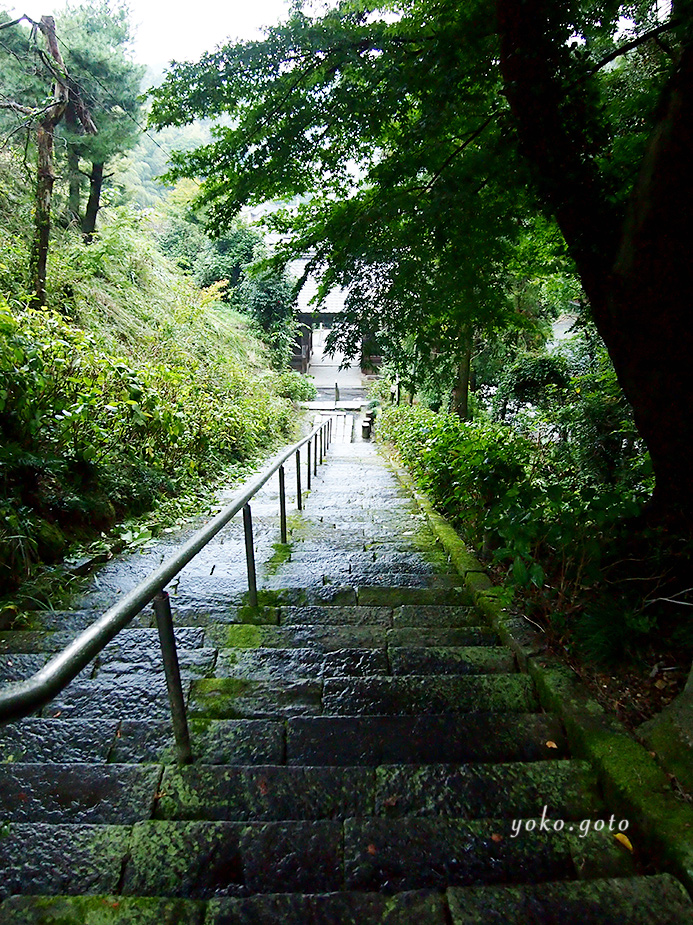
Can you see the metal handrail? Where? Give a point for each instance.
(21, 698)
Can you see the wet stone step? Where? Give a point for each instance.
(658, 900)
(77, 793)
(74, 621)
(468, 791)
(144, 698)
(32, 641)
(447, 593)
(265, 793)
(199, 860)
(320, 637)
(337, 616)
(148, 662)
(57, 741)
(227, 742)
(410, 586)
(266, 664)
(20, 666)
(429, 694)
(436, 616)
(419, 660)
(126, 645)
(100, 910)
(65, 859)
(235, 698)
(376, 740)
(398, 854)
(421, 907)
(410, 636)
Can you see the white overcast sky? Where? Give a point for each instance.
(164, 30)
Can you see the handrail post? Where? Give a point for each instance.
(164, 622)
(282, 505)
(299, 496)
(315, 455)
(250, 555)
(309, 468)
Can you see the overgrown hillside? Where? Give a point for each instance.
(133, 386)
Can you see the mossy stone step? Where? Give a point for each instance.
(336, 615)
(429, 739)
(425, 694)
(443, 616)
(446, 592)
(323, 637)
(423, 907)
(226, 742)
(414, 853)
(101, 910)
(270, 793)
(464, 660)
(568, 788)
(276, 793)
(658, 900)
(236, 698)
(200, 860)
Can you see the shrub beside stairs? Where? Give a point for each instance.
(366, 751)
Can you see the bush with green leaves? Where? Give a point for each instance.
(547, 524)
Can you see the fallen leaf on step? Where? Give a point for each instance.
(496, 838)
(551, 744)
(625, 841)
(372, 849)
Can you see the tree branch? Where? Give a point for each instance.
(629, 46)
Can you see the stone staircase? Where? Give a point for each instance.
(365, 752)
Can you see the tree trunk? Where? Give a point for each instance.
(93, 203)
(42, 218)
(635, 270)
(460, 392)
(45, 176)
(74, 198)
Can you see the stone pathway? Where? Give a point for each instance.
(365, 749)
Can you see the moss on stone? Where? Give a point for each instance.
(281, 554)
(100, 910)
(244, 636)
(216, 697)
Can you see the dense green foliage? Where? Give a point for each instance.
(136, 386)
(545, 494)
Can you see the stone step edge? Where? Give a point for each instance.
(631, 779)
(431, 906)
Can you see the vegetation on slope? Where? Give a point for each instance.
(134, 386)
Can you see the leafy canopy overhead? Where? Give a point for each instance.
(386, 129)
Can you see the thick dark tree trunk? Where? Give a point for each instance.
(635, 269)
(93, 203)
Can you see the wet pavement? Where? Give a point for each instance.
(363, 745)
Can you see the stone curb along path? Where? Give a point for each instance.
(632, 781)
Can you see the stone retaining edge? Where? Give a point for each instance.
(632, 781)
